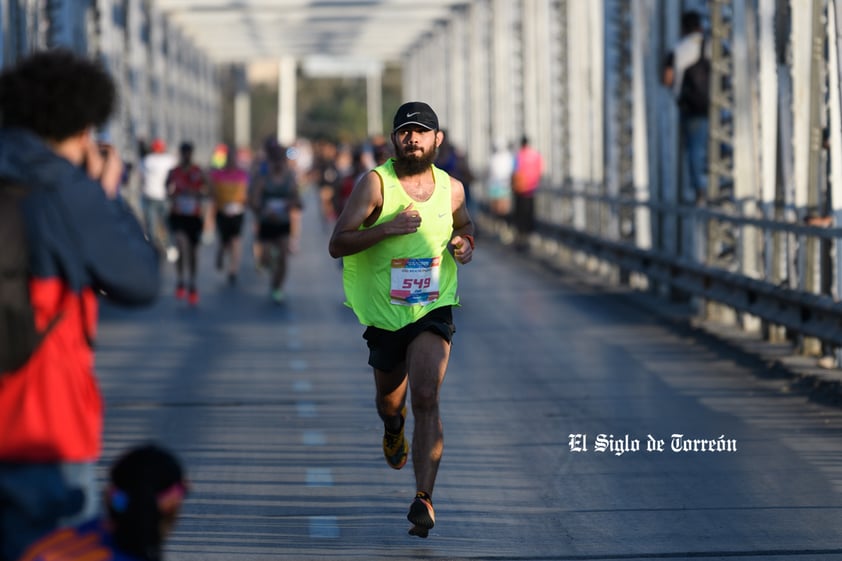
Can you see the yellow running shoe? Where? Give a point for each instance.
(395, 447)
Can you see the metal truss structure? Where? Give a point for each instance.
(582, 80)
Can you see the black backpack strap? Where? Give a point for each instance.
(6, 183)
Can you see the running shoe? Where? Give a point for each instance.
(180, 292)
(395, 447)
(421, 514)
(193, 297)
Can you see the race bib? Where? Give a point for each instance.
(415, 281)
(186, 204)
(232, 209)
(276, 208)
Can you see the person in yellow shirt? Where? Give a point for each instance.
(401, 234)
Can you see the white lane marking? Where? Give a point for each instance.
(306, 409)
(319, 477)
(313, 438)
(302, 386)
(298, 364)
(324, 527)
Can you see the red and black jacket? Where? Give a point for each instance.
(82, 246)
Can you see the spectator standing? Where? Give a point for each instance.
(526, 177)
(146, 490)
(691, 96)
(501, 164)
(83, 241)
(154, 168)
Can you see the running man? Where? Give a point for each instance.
(277, 206)
(187, 187)
(401, 234)
(153, 171)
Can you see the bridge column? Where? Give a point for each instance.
(242, 107)
(287, 84)
(641, 71)
(374, 102)
(504, 78)
(834, 33)
(458, 85)
(479, 119)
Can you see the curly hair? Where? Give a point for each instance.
(56, 94)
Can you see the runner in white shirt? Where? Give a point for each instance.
(154, 169)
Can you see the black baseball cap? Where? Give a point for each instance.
(416, 113)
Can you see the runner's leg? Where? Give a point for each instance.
(183, 245)
(427, 358)
(391, 395)
(279, 269)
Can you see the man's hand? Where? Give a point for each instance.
(103, 163)
(406, 222)
(463, 252)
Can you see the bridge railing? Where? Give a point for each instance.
(670, 268)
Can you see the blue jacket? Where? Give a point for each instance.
(82, 244)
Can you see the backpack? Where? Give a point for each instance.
(19, 336)
(694, 96)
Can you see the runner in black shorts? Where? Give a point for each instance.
(187, 189)
(277, 206)
(401, 281)
(229, 190)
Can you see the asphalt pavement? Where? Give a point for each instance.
(580, 424)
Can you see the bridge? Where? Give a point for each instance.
(637, 313)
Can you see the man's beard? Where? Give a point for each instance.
(412, 164)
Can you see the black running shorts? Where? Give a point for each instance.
(229, 226)
(270, 231)
(387, 349)
(190, 225)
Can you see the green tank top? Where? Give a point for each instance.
(402, 278)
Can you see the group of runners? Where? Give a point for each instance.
(199, 200)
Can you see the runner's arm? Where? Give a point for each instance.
(463, 227)
(170, 184)
(366, 199)
(255, 194)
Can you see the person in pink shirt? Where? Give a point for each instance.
(529, 166)
(229, 190)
